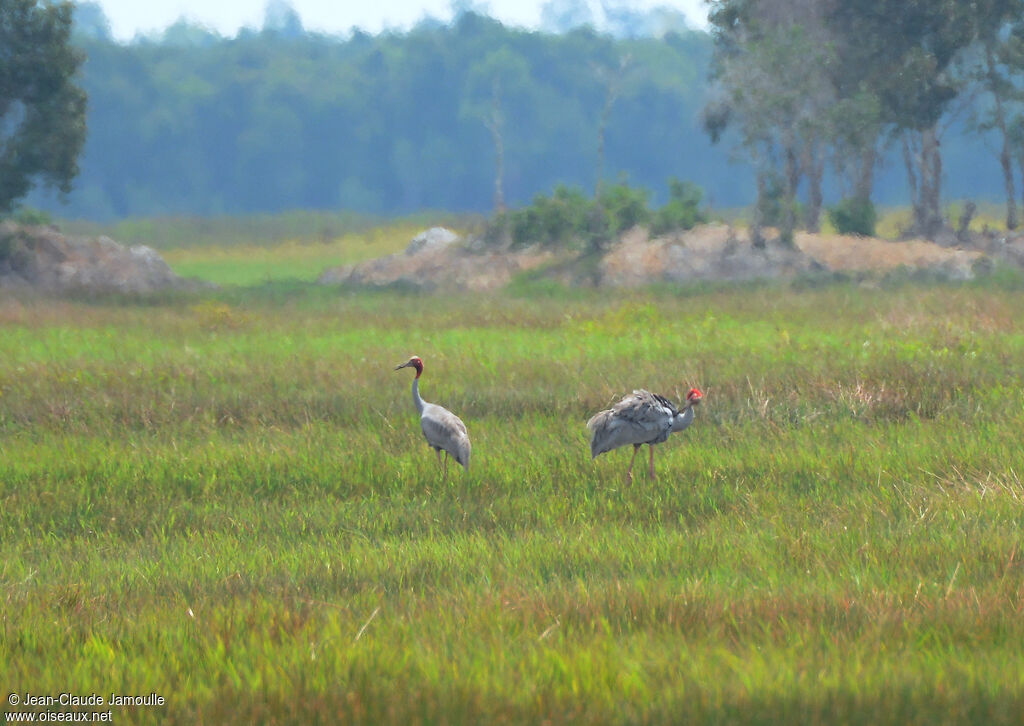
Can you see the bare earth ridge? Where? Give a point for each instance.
(708, 252)
(41, 258)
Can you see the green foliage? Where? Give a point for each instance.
(854, 215)
(625, 207)
(258, 123)
(682, 211)
(31, 216)
(922, 40)
(230, 503)
(551, 221)
(42, 110)
(196, 124)
(568, 218)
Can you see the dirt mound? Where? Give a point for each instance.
(42, 258)
(1007, 247)
(708, 252)
(448, 266)
(840, 253)
(719, 252)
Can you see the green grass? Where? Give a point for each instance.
(226, 500)
(258, 249)
(291, 260)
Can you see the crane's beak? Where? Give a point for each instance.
(404, 365)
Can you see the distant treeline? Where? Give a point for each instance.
(194, 123)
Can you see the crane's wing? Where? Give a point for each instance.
(640, 418)
(444, 430)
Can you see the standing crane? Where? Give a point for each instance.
(443, 430)
(640, 418)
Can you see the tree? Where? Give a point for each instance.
(612, 79)
(999, 60)
(561, 16)
(387, 123)
(855, 120)
(91, 22)
(772, 79)
(42, 110)
(907, 52)
(281, 18)
(488, 85)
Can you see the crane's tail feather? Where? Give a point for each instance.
(463, 453)
(599, 439)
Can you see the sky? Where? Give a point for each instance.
(131, 17)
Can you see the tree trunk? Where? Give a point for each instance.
(1004, 152)
(499, 172)
(1020, 166)
(931, 158)
(814, 167)
(495, 125)
(964, 225)
(792, 182)
(865, 181)
(923, 162)
(756, 239)
(606, 112)
(911, 168)
(1011, 201)
(612, 80)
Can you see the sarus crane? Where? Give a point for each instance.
(443, 430)
(640, 418)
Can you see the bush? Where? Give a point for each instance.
(854, 216)
(625, 207)
(568, 218)
(550, 221)
(30, 216)
(682, 211)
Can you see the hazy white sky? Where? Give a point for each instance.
(128, 17)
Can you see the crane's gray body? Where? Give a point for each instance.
(443, 430)
(641, 417)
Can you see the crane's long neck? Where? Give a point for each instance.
(416, 400)
(684, 419)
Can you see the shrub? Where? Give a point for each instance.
(30, 216)
(625, 206)
(682, 211)
(550, 221)
(854, 216)
(568, 218)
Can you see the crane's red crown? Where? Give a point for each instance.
(414, 362)
(694, 396)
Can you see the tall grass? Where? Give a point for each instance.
(226, 500)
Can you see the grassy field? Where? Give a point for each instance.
(225, 500)
(258, 249)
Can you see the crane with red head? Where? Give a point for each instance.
(640, 418)
(443, 430)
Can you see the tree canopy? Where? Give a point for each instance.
(42, 109)
(802, 79)
(471, 114)
(270, 120)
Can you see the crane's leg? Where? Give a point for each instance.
(444, 477)
(629, 471)
(438, 452)
(651, 447)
